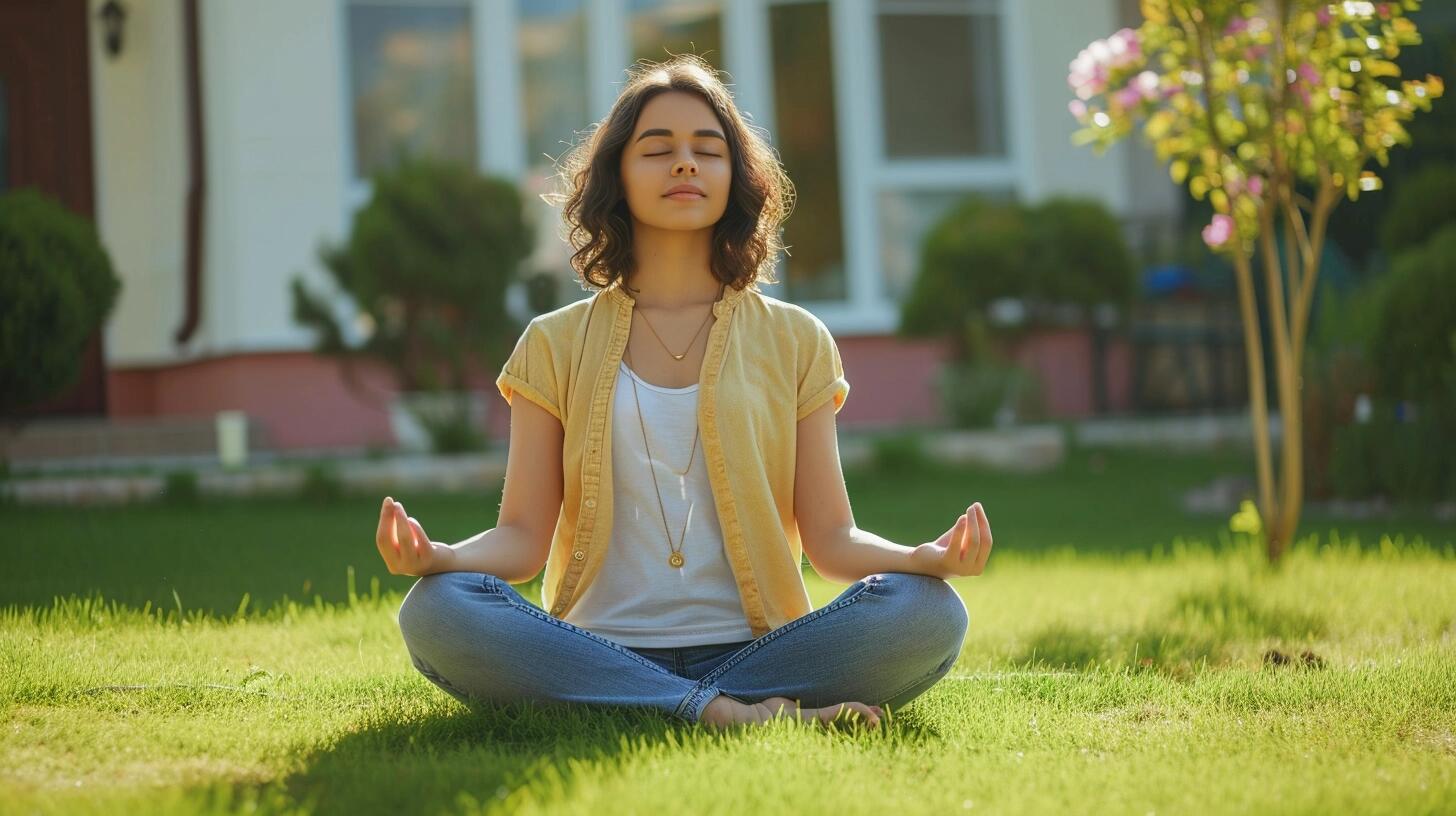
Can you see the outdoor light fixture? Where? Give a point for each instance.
(113, 16)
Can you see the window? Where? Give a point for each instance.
(941, 76)
(906, 216)
(552, 41)
(412, 82)
(661, 28)
(806, 135)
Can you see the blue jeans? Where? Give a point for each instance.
(885, 640)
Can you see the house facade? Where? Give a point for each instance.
(227, 141)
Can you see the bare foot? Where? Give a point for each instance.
(724, 712)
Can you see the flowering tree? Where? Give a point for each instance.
(1270, 110)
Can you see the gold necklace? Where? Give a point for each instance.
(676, 558)
(679, 357)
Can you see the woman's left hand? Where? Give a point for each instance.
(961, 550)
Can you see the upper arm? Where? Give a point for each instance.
(821, 501)
(531, 499)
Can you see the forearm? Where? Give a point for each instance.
(856, 553)
(504, 551)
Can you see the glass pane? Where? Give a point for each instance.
(552, 39)
(661, 28)
(941, 82)
(905, 217)
(412, 76)
(804, 124)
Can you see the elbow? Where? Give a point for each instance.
(823, 551)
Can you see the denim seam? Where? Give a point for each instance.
(712, 676)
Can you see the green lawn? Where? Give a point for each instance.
(1128, 676)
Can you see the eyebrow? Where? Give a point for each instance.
(665, 132)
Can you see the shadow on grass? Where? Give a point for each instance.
(483, 755)
(1199, 628)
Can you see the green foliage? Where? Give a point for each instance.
(180, 487)
(1419, 209)
(1414, 348)
(1062, 251)
(427, 265)
(321, 483)
(899, 453)
(1400, 349)
(57, 287)
(977, 394)
(1232, 94)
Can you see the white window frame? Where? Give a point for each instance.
(864, 171)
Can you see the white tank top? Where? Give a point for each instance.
(639, 599)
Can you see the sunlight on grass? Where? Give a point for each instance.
(1145, 682)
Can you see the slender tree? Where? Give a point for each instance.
(1271, 110)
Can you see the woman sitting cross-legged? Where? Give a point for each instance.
(674, 454)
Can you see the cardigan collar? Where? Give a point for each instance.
(721, 307)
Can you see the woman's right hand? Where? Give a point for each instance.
(405, 547)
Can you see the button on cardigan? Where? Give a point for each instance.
(768, 364)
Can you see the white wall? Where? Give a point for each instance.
(139, 156)
(274, 96)
(1046, 35)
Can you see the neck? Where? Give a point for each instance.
(671, 269)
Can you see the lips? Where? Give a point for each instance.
(684, 188)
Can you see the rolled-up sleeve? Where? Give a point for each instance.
(821, 372)
(531, 371)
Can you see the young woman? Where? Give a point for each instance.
(674, 455)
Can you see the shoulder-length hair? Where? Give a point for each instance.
(746, 239)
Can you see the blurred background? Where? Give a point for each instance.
(307, 235)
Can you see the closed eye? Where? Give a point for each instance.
(715, 155)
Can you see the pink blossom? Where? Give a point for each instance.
(1078, 108)
(1256, 186)
(1237, 25)
(1128, 96)
(1383, 9)
(1219, 231)
(1323, 15)
(1308, 72)
(1146, 84)
(1255, 52)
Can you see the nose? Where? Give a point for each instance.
(685, 166)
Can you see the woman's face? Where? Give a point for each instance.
(677, 141)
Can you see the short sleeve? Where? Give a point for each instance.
(821, 372)
(531, 371)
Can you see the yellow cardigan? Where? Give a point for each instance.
(760, 350)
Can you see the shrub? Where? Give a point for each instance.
(1420, 207)
(56, 287)
(427, 264)
(180, 487)
(1064, 251)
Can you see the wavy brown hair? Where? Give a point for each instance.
(746, 239)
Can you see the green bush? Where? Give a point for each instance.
(902, 453)
(57, 286)
(321, 483)
(1419, 208)
(427, 264)
(974, 394)
(1414, 344)
(1062, 251)
(180, 487)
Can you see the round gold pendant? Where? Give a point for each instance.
(675, 559)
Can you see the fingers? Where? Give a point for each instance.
(384, 536)
(985, 528)
(973, 545)
(404, 534)
(957, 539)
